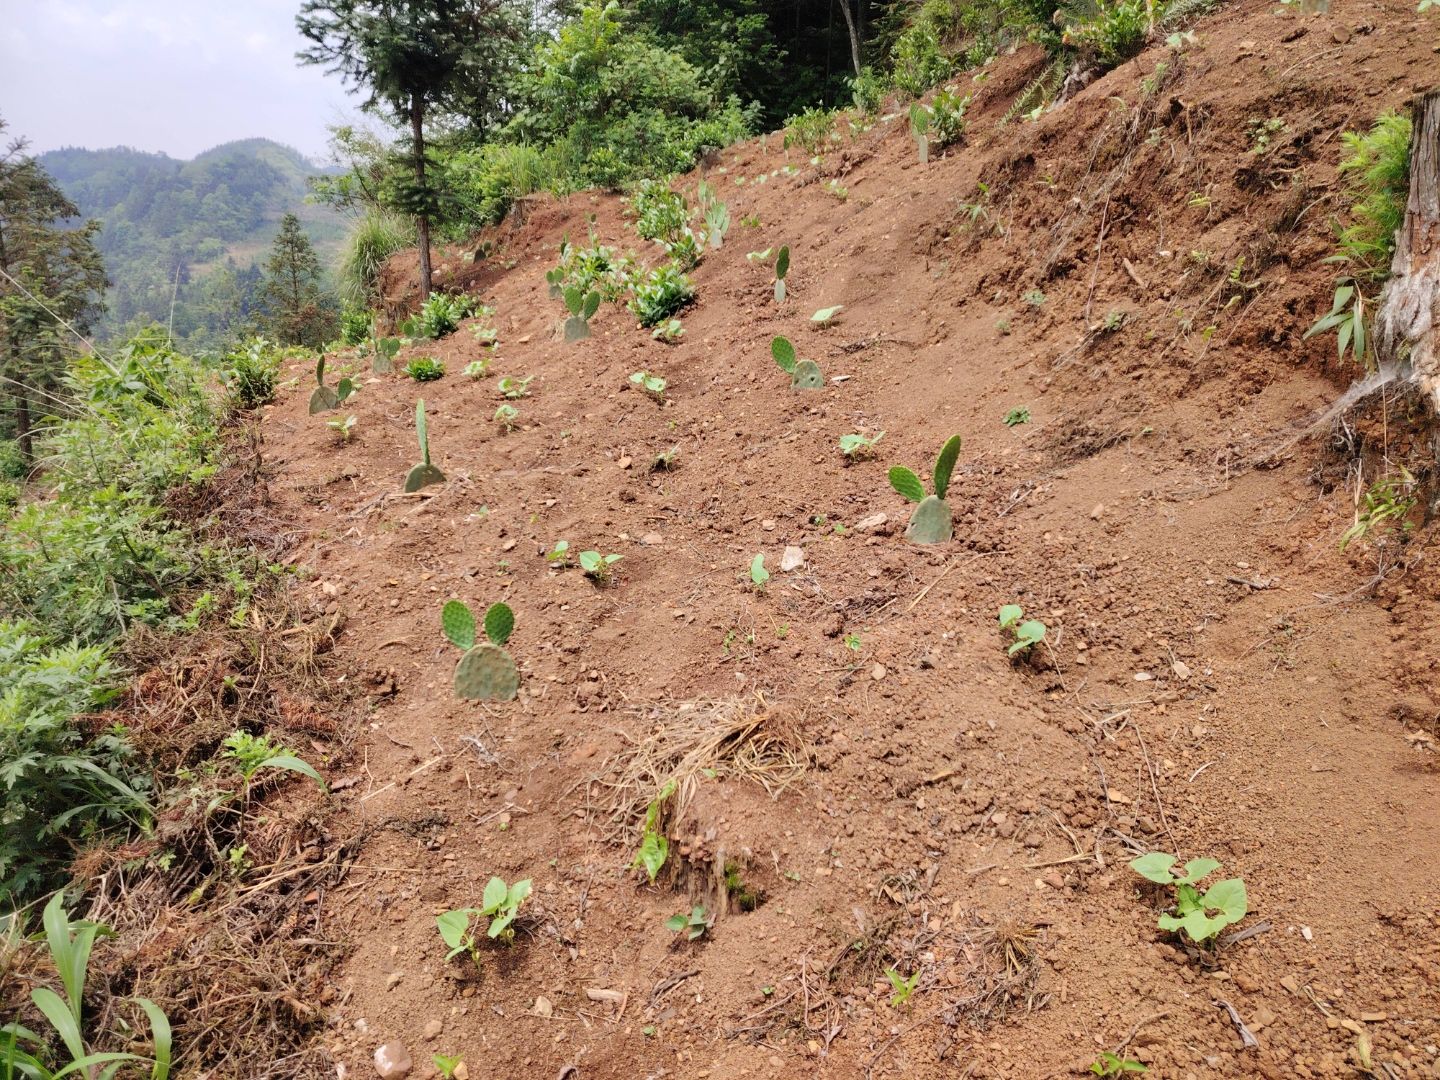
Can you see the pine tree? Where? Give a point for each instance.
(52, 279)
(296, 307)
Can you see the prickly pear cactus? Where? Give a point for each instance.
(323, 399)
(458, 622)
(576, 329)
(486, 673)
(930, 523)
(423, 475)
(807, 376)
(381, 365)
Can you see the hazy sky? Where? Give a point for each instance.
(172, 75)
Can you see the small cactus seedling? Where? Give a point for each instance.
(717, 224)
(486, 672)
(804, 374)
(782, 267)
(383, 362)
(342, 427)
(920, 128)
(322, 398)
(424, 474)
(931, 523)
(582, 307)
(556, 280)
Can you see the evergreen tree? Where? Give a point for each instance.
(416, 58)
(296, 306)
(52, 279)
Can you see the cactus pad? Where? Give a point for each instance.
(576, 329)
(323, 399)
(499, 623)
(423, 475)
(807, 376)
(381, 364)
(486, 673)
(458, 624)
(930, 523)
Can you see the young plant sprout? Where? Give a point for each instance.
(341, 427)
(425, 369)
(903, 987)
(424, 474)
(826, 315)
(669, 332)
(654, 847)
(804, 374)
(501, 903)
(486, 672)
(1018, 415)
(931, 523)
(457, 932)
(448, 1066)
(506, 415)
(582, 307)
(1027, 633)
(696, 923)
(920, 128)
(717, 224)
(856, 447)
(1112, 1065)
(561, 555)
(383, 362)
(665, 460)
(478, 369)
(322, 398)
(651, 384)
(598, 566)
(514, 388)
(782, 267)
(1226, 898)
(758, 574)
(760, 256)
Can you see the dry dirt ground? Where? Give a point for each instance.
(1218, 681)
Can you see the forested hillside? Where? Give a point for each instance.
(193, 229)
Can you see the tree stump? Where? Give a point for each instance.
(1407, 319)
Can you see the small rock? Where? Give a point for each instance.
(1144, 676)
(929, 660)
(652, 539)
(1353, 1026)
(1032, 840)
(776, 1063)
(1181, 671)
(393, 978)
(877, 672)
(432, 1030)
(461, 1072)
(874, 521)
(543, 1007)
(1260, 1018)
(1246, 983)
(1340, 35)
(793, 559)
(1289, 982)
(1053, 879)
(768, 525)
(1097, 513)
(1000, 817)
(392, 1061)
(1307, 933)
(624, 462)
(1373, 1017)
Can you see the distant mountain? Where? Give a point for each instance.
(168, 222)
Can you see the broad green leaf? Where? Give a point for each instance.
(458, 622)
(1342, 297)
(945, 465)
(500, 923)
(1196, 869)
(907, 483)
(499, 623)
(654, 849)
(1027, 634)
(825, 314)
(58, 1013)
(782, 267)
(592, 305)
(590, 561)
(1013, 613)
(1229, 898)
(160, 1035)
(850, 443)
(784, 353)
(518, 892)
(676, 923)
(454, 927)
(293, 764)
(422, 433)
(1154, 867)
(611, 559)
(494, 896)
(1187, 899)
(758, 574)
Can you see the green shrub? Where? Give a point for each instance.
(869, 89)
(1379, 167)
(424, 369)
(486, 182)
(1112, 30)
(355, 323)
(812, 130)
(947, 118)
(369, 245)
(13, 465)
(250, 374)
(660, 214)
(920, 58)
(660, 294)
(9, 497)
(441, 314)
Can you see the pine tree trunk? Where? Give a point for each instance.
(422, 221)
(854, 35)
(1407, 318)
(22, 420)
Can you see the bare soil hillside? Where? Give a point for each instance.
(871, 783)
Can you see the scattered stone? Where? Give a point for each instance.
(793, 559)
(543, 1008)
(874, 521)
(1054, 880)
(1246, 983)
(1260, 1018)
(392, 1061)
(1032, 840)
(1290, 983)
(652, 539)
(768, 525)
(1098, 512)
(432, 1030)
(1373, 1017)
(877, 672)
(508, 545)
(392, 979)
(1340, 35)
(1000, 817)
(1144, 676)
(1307, 933)
(1181, 671)
(1353, 1026)
(776, 1063)
(929, 661)
(624, 462)
(461, 1072)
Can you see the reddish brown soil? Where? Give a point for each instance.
(1297, 750)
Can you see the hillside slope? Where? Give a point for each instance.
(1219, 680)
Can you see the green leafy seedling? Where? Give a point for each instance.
(696, 923)
(423, 474)
(669, 332)
(425, 369)
(653, 385)
(582, 306)
(251, 753)
(717, 224)
(665, 460)
(514, 388)
(457, 931)
(654, 847)
(501, 903)
(598, 566)
(932, 522)
(478, 369)
(341, 427)
(804, 374)
(1027, 633)
(903, 987)
(760, 256)
(782, 267)
(486, 672)
(826, 315)
(1226, 898)
(506, 415)
(383, 362)
(1110, 1065)
(758, 574)
(856, 447)
(322, 398)
(447, 1065)
(561, 555)
(1018, 415)
(1347, 318)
